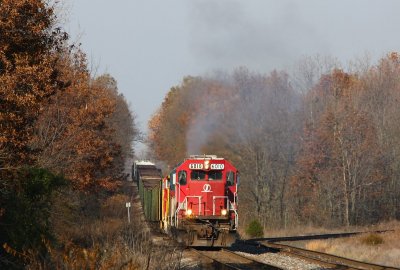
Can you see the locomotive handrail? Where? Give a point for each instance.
(230, 206)
(220, 197)
(236, 219)
(183, 205)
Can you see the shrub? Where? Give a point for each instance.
(25, 225)
(114, 206)
(254, 229)
(372, 240)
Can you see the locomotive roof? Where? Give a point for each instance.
(201, 157)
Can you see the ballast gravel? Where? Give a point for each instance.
(283, 261)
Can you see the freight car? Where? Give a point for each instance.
(148, 179)
(197, 201)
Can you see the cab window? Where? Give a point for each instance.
(214, 175)
(197, 175)
(172, 180)
(182, 176)
(230, 178)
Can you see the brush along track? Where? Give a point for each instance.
(323, 259)
(225, 259)
(313, 237)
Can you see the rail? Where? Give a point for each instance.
(225, 259)
(313, 236)
(325, 259)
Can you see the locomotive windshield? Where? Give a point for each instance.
(198, 175)
(214, 175)
(202, 175)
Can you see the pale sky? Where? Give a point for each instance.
(150, 45)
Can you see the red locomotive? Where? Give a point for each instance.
(199, 201)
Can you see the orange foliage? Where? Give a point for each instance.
(28, 74)
(73, 132)
(52, 112)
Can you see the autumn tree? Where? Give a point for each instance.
(380, 95)
(55, 119)
(122, 120)
(30, 46)
(168, 126)
(341, 160)
(29, 75)
(307, 72)
(87, 130)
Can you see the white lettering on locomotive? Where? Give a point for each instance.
(206, 188)
(217, 166)
(195, 166)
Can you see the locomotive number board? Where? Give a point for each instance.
(217, 166)
(195, 166)
(200, 166)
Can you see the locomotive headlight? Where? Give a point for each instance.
(189, 212)
(223, 212)
(206, 164)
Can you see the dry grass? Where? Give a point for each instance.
(311, 230)
(106, 241)
(292, 231)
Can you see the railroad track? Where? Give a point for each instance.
(225, 259)
(324, 259)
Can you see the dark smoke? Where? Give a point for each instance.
(227, 34)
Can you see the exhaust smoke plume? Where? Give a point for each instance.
(208, 115)
(228, 34)
(261, 35)
(240, 107)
